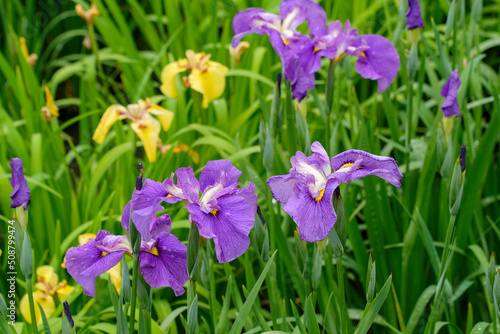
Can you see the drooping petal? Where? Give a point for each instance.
(165, 116)
(21, 194)
(314, 217)
(380, 62)
(282, 187)
(354, 164)
(84, 263)
(211, 82)
(168, 77)
(107, 242)
(212, 171)
(47, 303)
(162, 223)
(111, 115)
(450, 105)
(414, 15)
(126, 216)
(253, 21)
(148, 131)
(229, 227)
(163, 262)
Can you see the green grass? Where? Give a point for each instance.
(79, 186)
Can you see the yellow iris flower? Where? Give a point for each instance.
(50, 109)
(47, 286)
(180, 147)
(206, 76)
(144, 125)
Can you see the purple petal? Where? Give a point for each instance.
(314, 218)
(354, 164)
(84, 263)
(163, 262)
(252, 21)
(281, 187)
(151, 190)
(380, 62)
(213, 171)
(21, 194)
(126, 216)
(320, 157)
(450, 91)
(107, 242)
(188, 183)
(294, 12)
(161, 224)
(229, 227)
(414, 15)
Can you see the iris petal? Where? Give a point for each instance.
(111, 115)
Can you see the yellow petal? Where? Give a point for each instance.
(148, 130)
(168, 77)
(47, 303)
(110, 116)
(64, 291)
(211, 83)
(46, 274)
(54, 110)
(165, 116)
(24, 48)
(86, 237)
(115, 274)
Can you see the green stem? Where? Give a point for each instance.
(340, 279)
(290, 119)
(136, 240)
(449, 232)
(329, 91)
(32, 305)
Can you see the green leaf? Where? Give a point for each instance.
(372, 309)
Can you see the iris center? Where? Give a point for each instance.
(321, 193)
(153, 251)
(214, 212)
(103, 254)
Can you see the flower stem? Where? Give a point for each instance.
(32, 304)
(329, 91)
(135, 275)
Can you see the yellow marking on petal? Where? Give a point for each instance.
(168, 77)
(316, 49)
(86, 237)
(154, 251)
(169, 196)
(111, 115)
(285, 40)
(214, 212)
(362, 54)
(321, 193)
(46, 301)
(148, 131)
(103, 254)
(50, 104)
(347, 165)
(211, 83)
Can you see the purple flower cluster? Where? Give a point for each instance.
(301, 54)
(307, 191)
(220, 210)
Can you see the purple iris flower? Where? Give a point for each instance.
(224, 213)
(163, 262)
(294, 48)
(449, 92)
(21, 194)
(84, 263)
(355, 164)
(414, 15)
(145, 203)
(377, 57)
(307, 192)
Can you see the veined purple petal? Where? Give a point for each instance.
(163, 262)
(253, 21)
(450, 91)
(320, 157)
(229, 226)
(295, 12)
(84, 263)
(187, 188)
(314, 217)
(414, 15)
(380, 62)
(126, 216)
(354, 164)
(21, 194)
(161, 224)
(212, 171)
(282, 187)
(151, 190)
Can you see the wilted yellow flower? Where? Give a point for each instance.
(180, 147)
(87, 15)
(238, 50)
(47, 286)
(45, 300)
(144, 125)
(50, 109)
(206, 76)
(30, 58)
